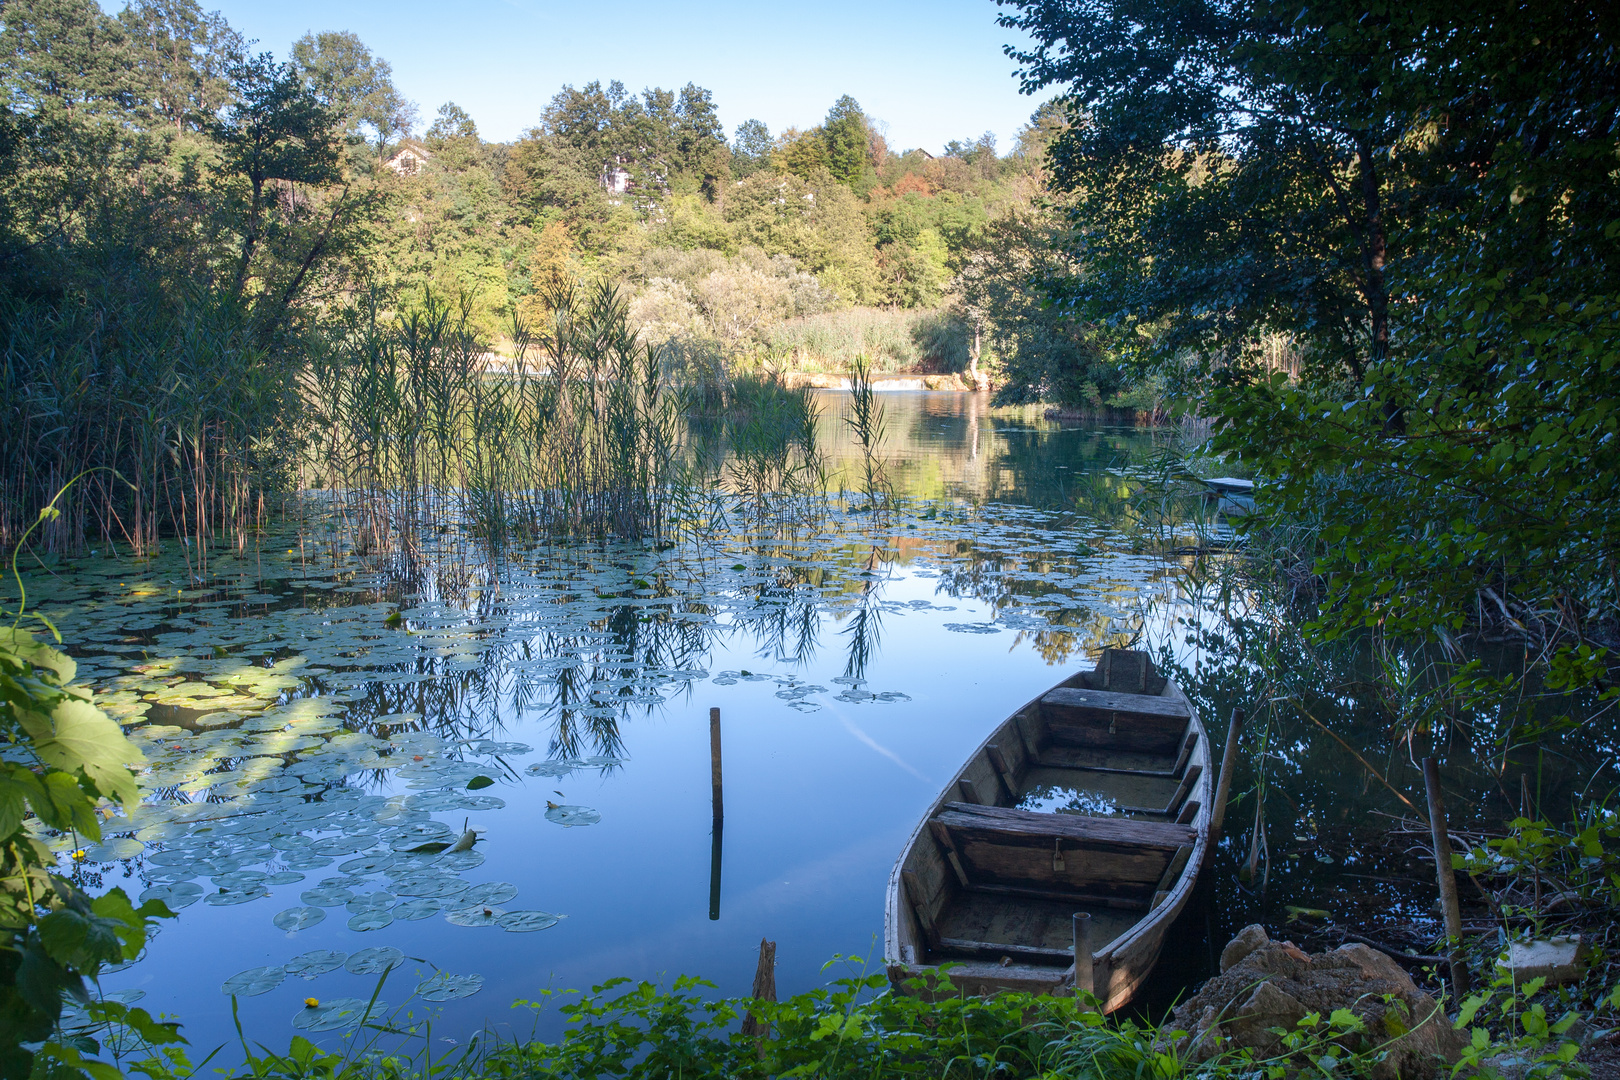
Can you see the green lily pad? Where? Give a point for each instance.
(573, 815)
(374, 961)
(336, 1014)
(372, 901)
(316, 962)
(254, 981)
(524, 922)
(418, 908)
(327, 896)
(114, 850)
(473, 915)
(479, 782)
(177, 895)
(490, 892)
(367, 864)
(447, 987)
(229, 897)
(372, 919)
(296, 918)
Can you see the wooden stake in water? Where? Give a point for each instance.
(714, 767)
(1084, 977)
(717, 842)
(1223, 786)
(1446, 878)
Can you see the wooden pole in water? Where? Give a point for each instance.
(717, 841)
(714, 767)
(1223, 786)
(1445, 877)
(1084, 977)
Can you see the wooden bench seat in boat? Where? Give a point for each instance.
(1106, 720)
(1106, 860)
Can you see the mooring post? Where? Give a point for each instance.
(1446, 878)
(1223, 786)
(714, 767)
(1084, 978)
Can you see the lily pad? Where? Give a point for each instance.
(474, 915)
(367, 864)
(447, 987)
(114, 850)
(419, 908)
(524, 922)
(327, 896)
(371, 901)
(178, 895)
(254, 981)
(573, 815)
(490, 892)
(336, 1014)
(372, 919)
(316, 962)
(229, 897)
(479, 782)
(296, 918)
(374, 961)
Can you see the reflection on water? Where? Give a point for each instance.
(510, 779)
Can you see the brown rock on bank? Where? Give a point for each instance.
(1266, 985)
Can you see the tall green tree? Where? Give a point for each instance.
(1423, 198)
(357, 86)
(182, 57)
(847, 138)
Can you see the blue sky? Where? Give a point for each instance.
(931, 71)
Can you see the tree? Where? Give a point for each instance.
(452, 122)
(751, 148)
(1421, 197)
(356, 86)
(181, 56)
(846, 137)
(277, 134)
(64, 60)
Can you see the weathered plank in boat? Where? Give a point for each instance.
(1105, 719)
(1002, 821)
(959, 947)
(1058, 756)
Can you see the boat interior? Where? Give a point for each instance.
(1085, 800)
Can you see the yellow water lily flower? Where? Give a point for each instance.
(79, 854)
(310, 1003)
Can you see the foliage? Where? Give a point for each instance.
(1244, 169)
(59, 756)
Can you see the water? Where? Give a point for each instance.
(559, 702)
(854, 665)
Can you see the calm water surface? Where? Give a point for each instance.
(855, 664)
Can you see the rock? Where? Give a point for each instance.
(1558, 960)
(1250, 938)
(1267, 987)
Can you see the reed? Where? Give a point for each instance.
(867, 421)
(179, 419)
(418, 428)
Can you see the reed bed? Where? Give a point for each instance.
(416, 431)
(176, 420)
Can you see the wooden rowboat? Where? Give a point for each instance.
(1093, 798)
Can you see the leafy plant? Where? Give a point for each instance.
(60, 756)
